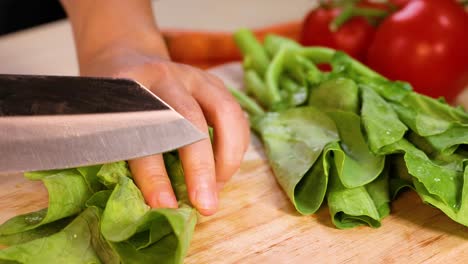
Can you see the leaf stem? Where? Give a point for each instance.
(255, 86)
(246, 102)
(251, 47)
(325, 55)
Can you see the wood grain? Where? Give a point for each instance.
(257, 223)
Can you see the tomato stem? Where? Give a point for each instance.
(350, 11)
(369, 12)
(345, 15)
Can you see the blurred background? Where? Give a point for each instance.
(181, 14)
(199, 33)
(22, 14)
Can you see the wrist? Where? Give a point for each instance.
(144, 42)
(105, 26)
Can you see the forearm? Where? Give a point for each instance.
(100, 25)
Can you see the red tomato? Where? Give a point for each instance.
(426, 44)
(353, 37)
(400, 3)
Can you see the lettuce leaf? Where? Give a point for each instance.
(105, 220)
(356, 165)
(381, 123)
(71, 245)
(389, 138)
(294, 140)
(68, 193)
(363, 205)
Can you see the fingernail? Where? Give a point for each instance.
(206, 198)
(166, 200)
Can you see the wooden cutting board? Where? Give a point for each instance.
(257, 223)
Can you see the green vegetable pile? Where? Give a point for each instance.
(98, 215)
(349, 136)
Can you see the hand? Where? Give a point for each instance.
(195, 94)
(121, 39)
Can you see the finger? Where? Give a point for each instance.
(233, 107)
(151, 177)
(197, 159)
(231, 129)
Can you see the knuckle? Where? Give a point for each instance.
(184, 67)
(191, 112)
(162, 68)
(158, 179)
(188, 75)
(230, 108)
(202, 169)
(194, 114)
(215, 80)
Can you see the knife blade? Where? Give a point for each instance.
(56, 122)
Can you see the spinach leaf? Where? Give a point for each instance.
(400, 179)
(355, 163)
(442, 181)
(459, 212)
(381, 123)
(123, 211)
(294, 140)
(32, 234)
(71, 245)
(383, 127)
(68, 193)
(110, 174)
(89, 174)
(335, 94)
(310, 192)
(391, 91)
(449, 141)
(138, 233)
(427, 116)
(437, 182)
(114, 225)
(363, 205)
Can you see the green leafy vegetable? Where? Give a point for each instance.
(104, 220)
(355, 163)
(38, 232)
(336, 94)
(71, 245)
(365, 139)
(294, 140)
(375, 110)
(351, 207)
(68, 193)
(258, 58)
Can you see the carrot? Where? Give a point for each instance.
(197, 47)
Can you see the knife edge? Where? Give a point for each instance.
(58, 142)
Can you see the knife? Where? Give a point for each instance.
(57, 122)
